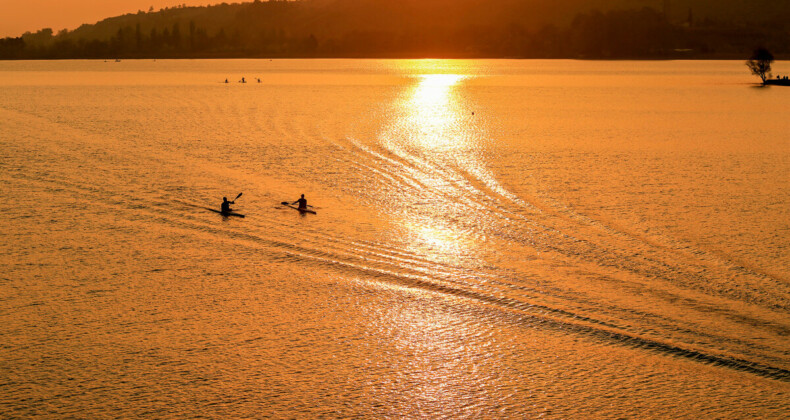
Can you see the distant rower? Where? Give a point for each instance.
(302, 203)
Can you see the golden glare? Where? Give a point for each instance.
(432, 136)
(435, 240)
(432, 115)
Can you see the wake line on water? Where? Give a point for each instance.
(553, 318)
(550, 317)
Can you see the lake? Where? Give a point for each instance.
(492, 239)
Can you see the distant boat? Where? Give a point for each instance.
(117, 60)
(778, 82)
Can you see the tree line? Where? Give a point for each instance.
(363, 28)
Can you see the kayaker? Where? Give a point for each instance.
(225, 208)
(302, 203)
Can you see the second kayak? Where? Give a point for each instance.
(301, 210)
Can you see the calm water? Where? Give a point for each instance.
(493, 239)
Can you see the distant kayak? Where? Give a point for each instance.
(301, 210)
(225, 213)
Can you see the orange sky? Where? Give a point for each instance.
(19, 16)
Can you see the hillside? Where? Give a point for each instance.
(420, 28)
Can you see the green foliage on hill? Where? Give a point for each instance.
(421, 28)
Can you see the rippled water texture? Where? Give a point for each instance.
(511, 239)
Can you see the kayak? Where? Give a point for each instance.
(302, 210)
(225, 213)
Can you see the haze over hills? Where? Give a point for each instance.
(422, 28)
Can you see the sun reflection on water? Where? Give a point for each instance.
(432, 92)
(436, 147)
(437, 240)
(432, 117)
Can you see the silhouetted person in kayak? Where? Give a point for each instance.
(226, 205)
(302, 203)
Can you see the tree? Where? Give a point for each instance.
(175, 37)
(138, 38)
(760, 63)
(11, 47)
(192, 29)
(39, 39)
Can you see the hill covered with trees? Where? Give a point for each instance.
(426, 28)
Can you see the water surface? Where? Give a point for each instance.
(520, 239)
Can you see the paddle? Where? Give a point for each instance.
(237, 197)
